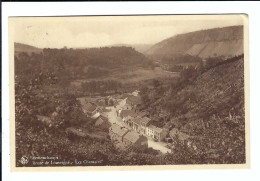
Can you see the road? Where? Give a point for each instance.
(112, 117)
(158, 146)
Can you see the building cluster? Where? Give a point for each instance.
(124, 138)
(95, 108)
(138, 121)
(133, 128)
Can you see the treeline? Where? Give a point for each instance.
(192, 72)
(101, 86)
(182, 59)
(78, 63)
(179, 64)
(214, 62)
(108, 57)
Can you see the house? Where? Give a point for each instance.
(156, 133)
(142, 114)
(95, 114)
(149, 131)
(136, 124)
(127, 116)
(143, 124)
(123, 138)
(101, 102)
(125, 113)
(88, 108)
(99, 122)
(117, 132)
(102, 122)
(133, 138)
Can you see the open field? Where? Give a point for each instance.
(132, 75)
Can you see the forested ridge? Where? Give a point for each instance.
(207, 104)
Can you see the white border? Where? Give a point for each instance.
(52, 9)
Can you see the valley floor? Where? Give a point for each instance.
(134, 75)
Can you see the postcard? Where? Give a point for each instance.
(136, 92)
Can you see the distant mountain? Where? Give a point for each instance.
(19, 48)
(227, 41)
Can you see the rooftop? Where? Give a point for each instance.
(132, 136)
(137, 120)
(159, 130)
(142, 114)
(86, 105)
(99, 121)
(125, 113)
(121, 131)
(96, 115)
(145, 120)
(89, 107)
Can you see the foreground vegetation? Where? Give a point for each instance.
(207, 104)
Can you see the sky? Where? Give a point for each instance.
(98, 31)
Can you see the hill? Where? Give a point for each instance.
(107, 57)
(19, 48)
(74, 64)
(227, 41)
(207, 107)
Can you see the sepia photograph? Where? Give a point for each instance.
(129, 92)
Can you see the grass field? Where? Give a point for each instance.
(132, 75)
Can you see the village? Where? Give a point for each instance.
(127, 125)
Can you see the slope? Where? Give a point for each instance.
(208, 110)
(227, 41)
(19, 48)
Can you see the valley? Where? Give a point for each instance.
(180, 101)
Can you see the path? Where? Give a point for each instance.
(158, 146)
